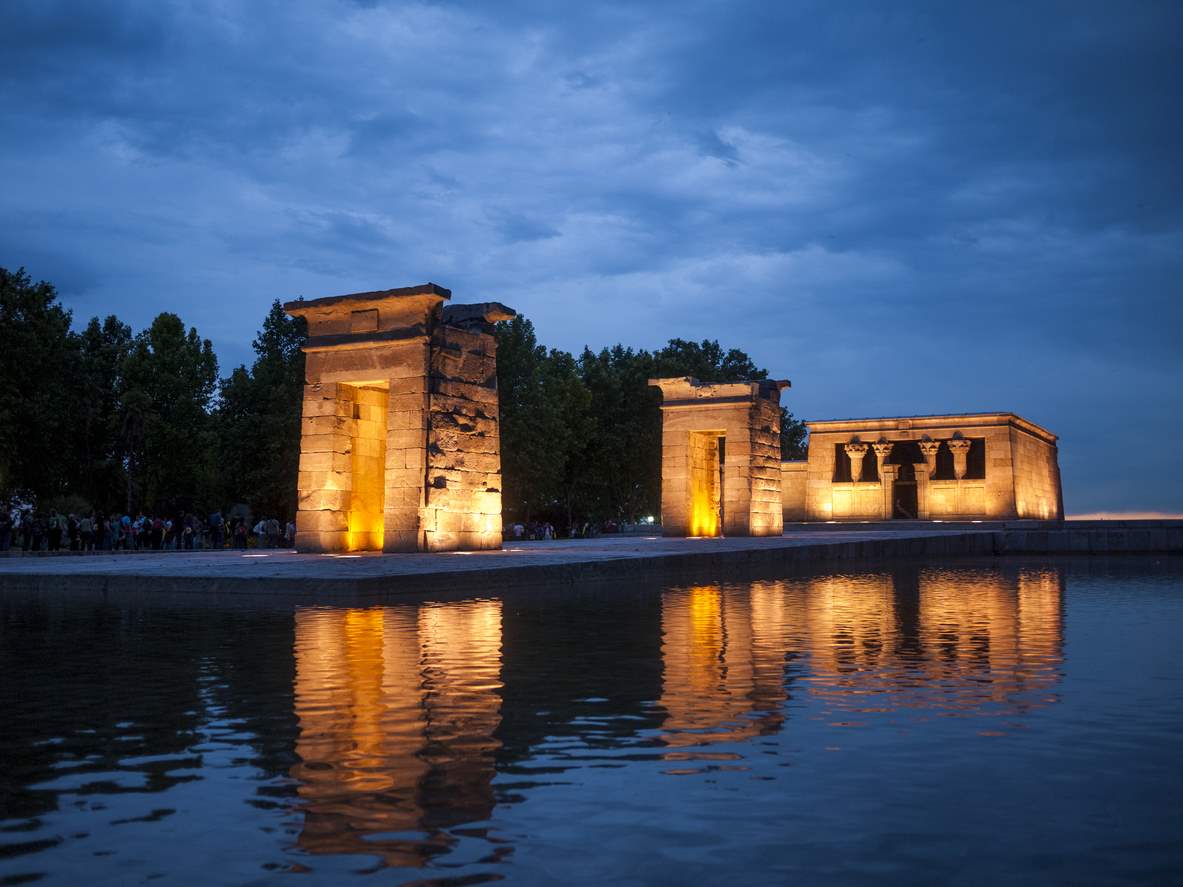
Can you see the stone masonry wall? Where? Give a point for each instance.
(406, 449)
(765, 516)
(792, 490)
(325, 480)
(1036, 477)
(462, 507)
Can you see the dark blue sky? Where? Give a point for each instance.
(904, 208)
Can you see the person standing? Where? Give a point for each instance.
(53, 532)
(86, 533)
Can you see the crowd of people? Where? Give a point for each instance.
(24, 529)
(27, 530)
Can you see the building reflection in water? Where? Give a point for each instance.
(724, 657)
(397, 707)
(959, 641)
(404, 719)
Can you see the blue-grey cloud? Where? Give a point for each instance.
(911, 207)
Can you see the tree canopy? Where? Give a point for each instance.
(581, 437)
(125, 421)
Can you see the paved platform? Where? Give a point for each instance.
(519, 563)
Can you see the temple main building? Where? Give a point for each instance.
(974, 466)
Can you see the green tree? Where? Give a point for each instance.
(166, 428)
(707, 362)
(623, 456)
(258, 419)
(541, 419)
(103, 349)
(37, 364)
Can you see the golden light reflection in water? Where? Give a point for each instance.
(400, 708)
(397, 707)
(959, 642)
(723, 663)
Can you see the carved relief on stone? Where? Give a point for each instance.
(882, 451)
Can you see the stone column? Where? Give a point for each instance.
(887, 474)
(928, 449)
(960, 448)
(856, 452)
(325, 477)
(406, 452)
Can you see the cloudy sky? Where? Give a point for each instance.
(903, 207)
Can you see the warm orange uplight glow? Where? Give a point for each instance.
(398, 708)
(705, 492)
(723, 664)
(368, 463)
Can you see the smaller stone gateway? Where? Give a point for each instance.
(720, 458)
(971, 466)
(399, 444)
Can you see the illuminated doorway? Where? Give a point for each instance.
(904, 501)
(707, 462)
(367, 463)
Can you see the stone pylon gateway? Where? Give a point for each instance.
(399, 444)
(720, 458)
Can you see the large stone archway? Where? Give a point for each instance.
(399, 445)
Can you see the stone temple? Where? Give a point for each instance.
(973, 466)
(399, 445)
(721, 472)
(720, 465)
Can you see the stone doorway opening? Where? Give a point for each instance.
(708, 458)
(367, 403)
(905, 503)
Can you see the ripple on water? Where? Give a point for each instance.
(912, 724)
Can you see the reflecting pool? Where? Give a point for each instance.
(1010, 722)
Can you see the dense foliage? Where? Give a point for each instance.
(104, 419)
(581, 436)
(116, 421)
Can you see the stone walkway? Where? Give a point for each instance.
(609, 557)
(281, 563)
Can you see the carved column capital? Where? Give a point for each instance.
(960, 448)
(929, 449)
(882, 449)
(856, 452)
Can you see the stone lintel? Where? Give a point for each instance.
(687, 391)
(433, 292)
(936, 426)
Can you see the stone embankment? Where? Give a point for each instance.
(554, 564)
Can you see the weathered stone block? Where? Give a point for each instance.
(307, 481)
(323, 521)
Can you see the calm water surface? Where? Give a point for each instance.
(1018, 723)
